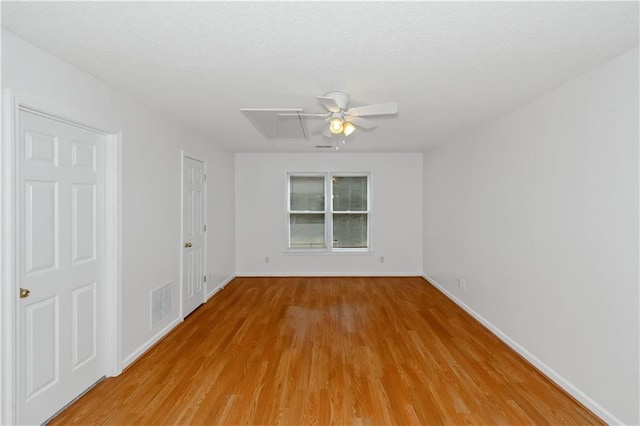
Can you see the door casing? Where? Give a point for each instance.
(9, 409)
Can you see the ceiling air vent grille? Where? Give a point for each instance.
(275, 126)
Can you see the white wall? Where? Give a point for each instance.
(538, 212)
(151, 161)
(221, 219)
(396, 217)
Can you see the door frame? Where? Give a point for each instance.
(183, 156)
(111, 330)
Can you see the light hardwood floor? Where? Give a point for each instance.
(297, 351)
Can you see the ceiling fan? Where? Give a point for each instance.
(344, 121)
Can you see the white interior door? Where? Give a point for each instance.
(193, 230)
(60, 234)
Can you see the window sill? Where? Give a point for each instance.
(324, 252)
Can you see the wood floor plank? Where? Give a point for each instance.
(328, 351)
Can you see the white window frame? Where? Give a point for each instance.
(328, 212)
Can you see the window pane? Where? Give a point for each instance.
(306, 231)
(350, 230)
(307, 193)
(350, 193)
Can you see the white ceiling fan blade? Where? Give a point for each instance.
(362, 122)
(320, 128)
(378, 109)
(327, 132)
(329, 103)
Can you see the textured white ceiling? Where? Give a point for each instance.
(449, 65)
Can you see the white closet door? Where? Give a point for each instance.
(61, 263)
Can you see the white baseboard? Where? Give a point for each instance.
(145, 347)
(328, 274)
(541, 366)
(219, 287)
(155, 339)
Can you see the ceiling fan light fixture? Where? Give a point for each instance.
(336, 126)
(348, 128)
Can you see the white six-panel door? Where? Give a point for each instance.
(60, 233)
(193, 235)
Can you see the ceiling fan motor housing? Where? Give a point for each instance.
(341, 98)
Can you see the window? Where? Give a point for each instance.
(327, 207)
(306, 212)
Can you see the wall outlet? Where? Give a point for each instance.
(462, 283)
(381, 259)
(267, 259)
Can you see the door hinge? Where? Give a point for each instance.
(205, 176)
(205, 228)
(205, 278)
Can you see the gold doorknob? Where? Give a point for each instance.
(187, 244)
(24, 292)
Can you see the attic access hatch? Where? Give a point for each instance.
(275, 126)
